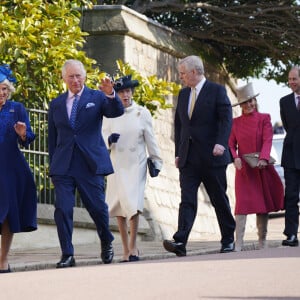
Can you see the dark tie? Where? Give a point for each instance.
(74, 111)
(298, 104)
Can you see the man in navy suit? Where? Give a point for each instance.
(202, 130)
(79, 158)
(290, 116)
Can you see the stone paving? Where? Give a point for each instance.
(89, 254)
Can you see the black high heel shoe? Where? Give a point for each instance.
(8, 270)
(134, 257)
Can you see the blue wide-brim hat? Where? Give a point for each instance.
(6, 73)
(125, 82)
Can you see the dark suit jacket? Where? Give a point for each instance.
(210, 124)
(86, 135)
(290, 117)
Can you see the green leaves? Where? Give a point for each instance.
(36, 38)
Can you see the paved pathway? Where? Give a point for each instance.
(268, 274)
(37, 259)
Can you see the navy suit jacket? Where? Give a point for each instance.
(86, 135)
(290, 117)
(210, 124)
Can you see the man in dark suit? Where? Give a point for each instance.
(202, 130)
(290, 161)
(78, 156)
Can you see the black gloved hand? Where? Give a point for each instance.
(113, 138)
(156, 172)
(151, 167)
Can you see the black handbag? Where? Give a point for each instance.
(151, 167)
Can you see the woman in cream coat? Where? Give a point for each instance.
(128, 136)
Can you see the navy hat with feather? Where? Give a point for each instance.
(125, 82)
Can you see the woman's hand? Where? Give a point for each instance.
(262, 163)
(20, 128)
(238, 163)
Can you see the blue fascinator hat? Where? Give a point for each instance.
(6, 73)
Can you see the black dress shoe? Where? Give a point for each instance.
(66, 262)
(291, 241)
(227, 248)
(175, 247)
(107, 252)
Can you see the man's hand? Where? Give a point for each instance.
(107, 86)
(176, 161)
(218, 150)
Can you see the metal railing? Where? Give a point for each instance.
(38, 158)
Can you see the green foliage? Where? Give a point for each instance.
(36, 38)
(152, 91)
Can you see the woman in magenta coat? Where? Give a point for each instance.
(258, 190)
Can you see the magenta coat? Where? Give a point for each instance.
(257, 190)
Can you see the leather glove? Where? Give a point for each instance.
(151, 167)
(113, 138)
(156, 172)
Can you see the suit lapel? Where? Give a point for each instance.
(64, 106)
(185, 99)
(203, 92)
(83, 99)
(291, 105)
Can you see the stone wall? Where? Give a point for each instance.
(116, 32)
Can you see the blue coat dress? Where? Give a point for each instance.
(18, 197)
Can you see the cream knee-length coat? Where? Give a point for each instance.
(126, 186)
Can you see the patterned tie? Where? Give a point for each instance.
(298, 105)
(193, 100)
(74, 111)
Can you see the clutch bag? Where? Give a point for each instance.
(151, 167)
(253, 158)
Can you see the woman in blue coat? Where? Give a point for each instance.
(18, 199)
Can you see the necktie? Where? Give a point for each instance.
(298, 105)
(73, 111)
(193, 100)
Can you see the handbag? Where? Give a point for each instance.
(151, 167)
(253, 158)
